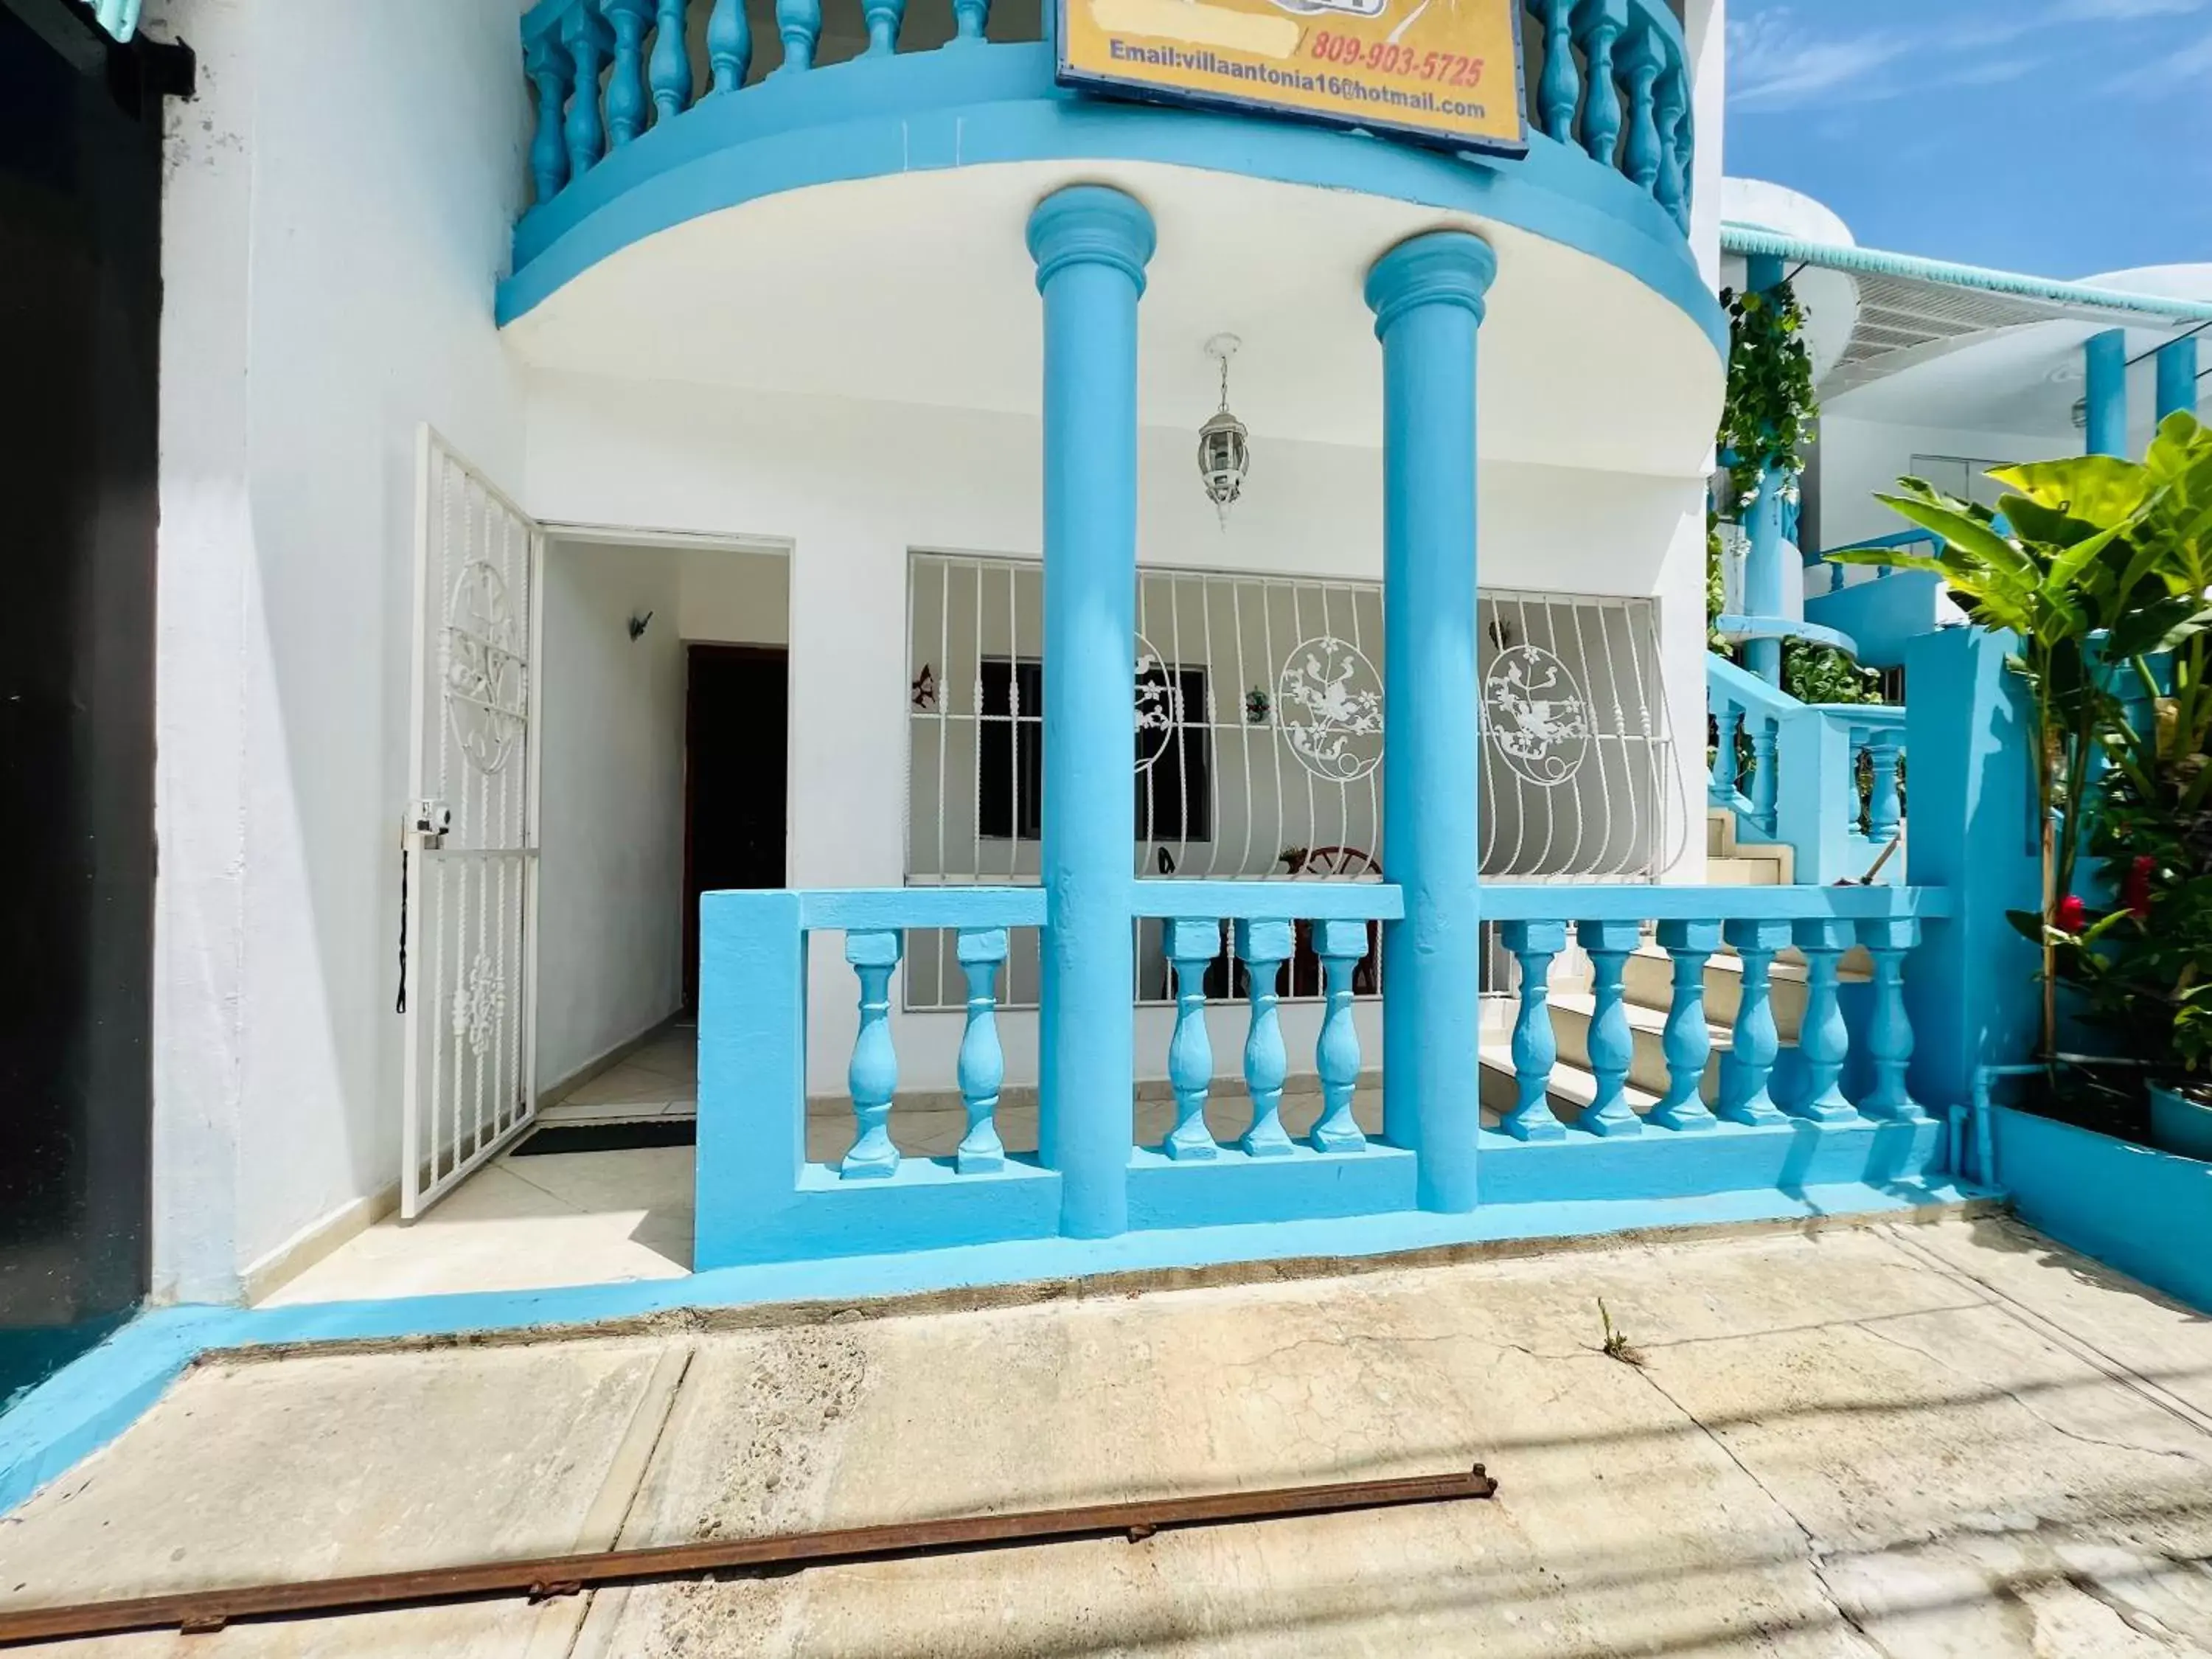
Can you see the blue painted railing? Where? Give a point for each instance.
(1822, 779)
(1758, 1083)
(761, 1198)
(1608, 79)
(1822, 577)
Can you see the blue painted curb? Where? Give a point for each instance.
(2144, 1211)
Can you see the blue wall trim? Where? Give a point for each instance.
(92, 1400)
(924, 111)
(2145, 1212)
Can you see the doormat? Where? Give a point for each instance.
(611, 1137)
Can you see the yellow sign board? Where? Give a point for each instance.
(1447, 70)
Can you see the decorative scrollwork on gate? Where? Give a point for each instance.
(479, 1003)
(1536, 715)
(486, 676)
(1329, 708)
(1159, 704)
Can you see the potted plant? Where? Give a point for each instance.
(2102, 569)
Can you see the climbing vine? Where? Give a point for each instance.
(1771, 406)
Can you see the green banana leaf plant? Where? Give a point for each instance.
(2101, 569)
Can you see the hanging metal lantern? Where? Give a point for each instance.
(1224, 449)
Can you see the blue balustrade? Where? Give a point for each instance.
(981, 952)
(627, 101)
(1844, 1079)
(798, 25)
(1688, 1038)
(671, 59)
(1534, 946)
(1341, 944)
(1612, 1044)
(1826, 780)
(729, 46)
(1192, 946)
(1753, 1045)
(1613, 86)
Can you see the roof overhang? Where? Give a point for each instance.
(1912, 309)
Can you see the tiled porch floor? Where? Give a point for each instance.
(535, 1222)
(661, 1079)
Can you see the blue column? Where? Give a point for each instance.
(1762, 582)
(2107, 355)
(1090, 245)
(2177, 377)
(1427, 297)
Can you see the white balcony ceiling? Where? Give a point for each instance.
(916, 288)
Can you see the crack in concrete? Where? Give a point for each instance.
(2013, 1394)
(1813, 1552)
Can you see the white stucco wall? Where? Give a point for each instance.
(338, 208)
(853, 488)
(1858, 458)
(610, 758)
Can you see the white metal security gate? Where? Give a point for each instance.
(468, 972)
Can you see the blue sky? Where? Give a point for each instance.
(2057, 137)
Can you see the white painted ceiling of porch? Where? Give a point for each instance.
(916, 288)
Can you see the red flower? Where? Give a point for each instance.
(2137, 890)
(2072, 915)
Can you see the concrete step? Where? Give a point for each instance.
(1720, 833)
(1572, 1088)
(1650, 982)
(1754, 864)
(1571, 1013)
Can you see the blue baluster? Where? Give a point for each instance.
(1561, 88)
(547, 61)
(585, 33)
(883, 18)
(1535, 1045)
(1640, 156)
(1598, 24)
(1612, 1042)
(799, 22)
(1749, 1065)
(672, 60)
(627, 102)
(1823, 1041)
(873, 1077)
(1341, 945)
(1263, 947)
(1686, 155)
(1674, 110)
(1766, 782)
(1688, 1038)
(729, 45)
(1889, 1027)
(1192, 946)
(1728, 723)
(1885, 810)
(982, 1061)
(969, 19)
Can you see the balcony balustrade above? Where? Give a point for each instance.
(628, 90)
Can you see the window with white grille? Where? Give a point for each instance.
(1258, 706)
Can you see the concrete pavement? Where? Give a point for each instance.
(1903, 1440)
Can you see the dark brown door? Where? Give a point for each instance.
(735, 734)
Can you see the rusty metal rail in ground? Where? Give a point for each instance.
(551, 1575)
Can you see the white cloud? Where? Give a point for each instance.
(1777, 61)
(2183, 69)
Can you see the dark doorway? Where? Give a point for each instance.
(737, 709)
(80, 335)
